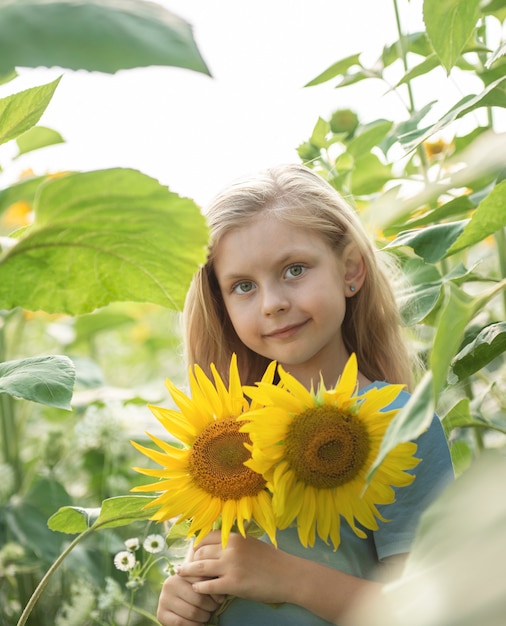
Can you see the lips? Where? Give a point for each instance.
(286, 331)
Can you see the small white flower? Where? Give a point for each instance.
(124, 561)
(132, 544)
(154, 543)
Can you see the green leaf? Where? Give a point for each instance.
(456, 314)
(36, 138)
(23, 191)
(115, 512)
(417, 302)
(450, 24)
(462, 456)
(426, 66)
(458, 416)
(21, 111)
(47, 380)
(123, 510)
(410, 421)
(369, 175)
(369, 137)
(457, 207)
(432, 242)
(336, 69)
(178, 532)
(100, 237)
(73, 519)
(488, 218)
(27, 525)
(492, 95)
(488, 345)
(105, 36)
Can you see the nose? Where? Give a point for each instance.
(274, 301)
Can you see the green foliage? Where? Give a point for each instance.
(440, 232)
(48, 380)
(100, 237)
(21, 111)
(105, 36)
(71, 244)
(94, 267)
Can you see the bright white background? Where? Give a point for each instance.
(195, 133)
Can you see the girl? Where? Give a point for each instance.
(291, 276)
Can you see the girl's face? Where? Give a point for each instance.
(285, 293)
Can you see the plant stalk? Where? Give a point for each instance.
(45, 579)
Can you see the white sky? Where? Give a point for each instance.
(195, 133)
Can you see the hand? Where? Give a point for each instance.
(180, 605)
(246, 568)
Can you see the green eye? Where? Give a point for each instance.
(243, 287)
(295, 270)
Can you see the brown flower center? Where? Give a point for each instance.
(326, 447)
(217, 462)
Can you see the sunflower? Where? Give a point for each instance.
(314, 450)
(206, 481)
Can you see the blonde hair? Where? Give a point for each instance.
(297, 195)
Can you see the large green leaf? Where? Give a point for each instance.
(102, 35)
(450, 24)
(454, 574)
(21, 111)
(100, 237)
(47, 380)
(489, 217)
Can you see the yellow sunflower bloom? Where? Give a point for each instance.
(206, 480)
(314, 450)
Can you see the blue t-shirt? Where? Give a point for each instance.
(356, 556)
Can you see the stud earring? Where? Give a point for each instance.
(352, 288)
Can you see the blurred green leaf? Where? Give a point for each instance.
(369, 137)
(458, 416)
(336, 69)
(22, 191)
(36, 138)
(21, 111)
(488, 345)
(493, 95)
(100, 237)
(464, 526)
(105, 36)
(489, 217)
(455, 315)
(369, 174)
(410, 421)
(47, 380)
(28, 526)
(426, 66)
(450, 24)
(454, 208)
(462, 456)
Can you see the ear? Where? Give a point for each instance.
(354, 269)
